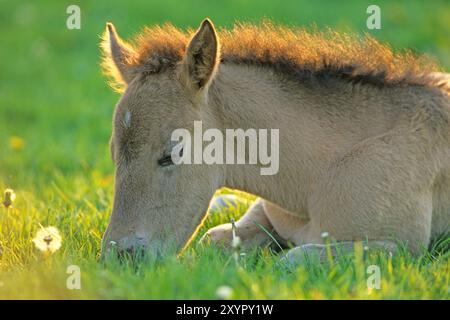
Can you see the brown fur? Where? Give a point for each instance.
(364, 136)
(296, 52)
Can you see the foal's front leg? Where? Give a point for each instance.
(250, 229)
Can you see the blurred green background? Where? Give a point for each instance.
(56, 108)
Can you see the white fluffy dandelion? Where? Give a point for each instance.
(224, 292)
(325, 235)
(48, 240)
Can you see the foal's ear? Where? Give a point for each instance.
(202, 57)
(117, 57)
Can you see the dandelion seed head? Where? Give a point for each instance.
(325, 235)
(224, 292)
(48, 240)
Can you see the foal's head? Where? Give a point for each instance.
(156, 203)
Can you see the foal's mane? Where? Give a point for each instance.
(295, 52)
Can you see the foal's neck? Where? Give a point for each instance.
(316, 125)
(250, 98)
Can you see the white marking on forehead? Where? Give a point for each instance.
(127, 119)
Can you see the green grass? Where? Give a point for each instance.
(54, 99)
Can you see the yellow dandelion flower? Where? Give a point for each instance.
(316, 295)
(16, 143)
(48, 240)
(106, 181)
(10, 196)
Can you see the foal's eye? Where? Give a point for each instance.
(167, 160)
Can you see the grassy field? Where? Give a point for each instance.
(55, 123)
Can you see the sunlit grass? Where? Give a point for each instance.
(81, 216)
